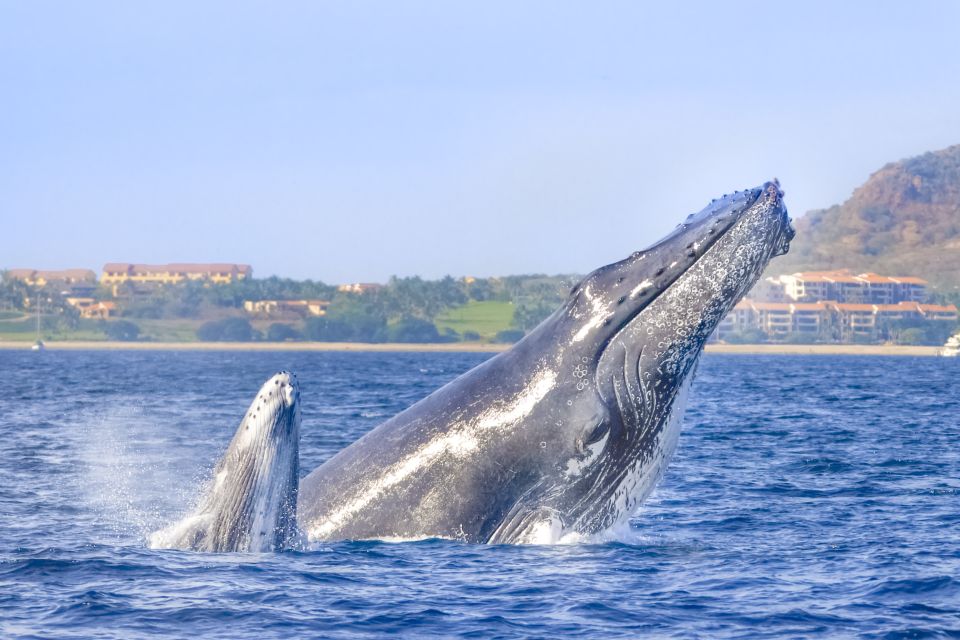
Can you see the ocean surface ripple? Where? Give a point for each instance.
(811, 497)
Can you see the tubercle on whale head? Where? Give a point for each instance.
(611, 296)
(288, 386)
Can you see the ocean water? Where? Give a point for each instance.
(810, 497)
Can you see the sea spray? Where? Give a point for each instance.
(127, 480)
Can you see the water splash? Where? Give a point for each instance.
(132, 480)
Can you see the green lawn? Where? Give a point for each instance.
(18, 326)
(486, 318)
(154, 330)
(16, 337)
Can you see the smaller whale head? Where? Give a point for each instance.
(251, 502)
(259, 473)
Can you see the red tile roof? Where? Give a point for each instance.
(52, 274)
(937, 308)
(177, 267)
(848, 306)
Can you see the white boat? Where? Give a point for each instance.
(951, 348)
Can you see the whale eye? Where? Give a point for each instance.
(592, 435)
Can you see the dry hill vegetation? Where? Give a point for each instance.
(904, 220)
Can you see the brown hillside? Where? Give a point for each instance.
(904, 220)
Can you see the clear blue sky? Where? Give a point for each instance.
(350, 141)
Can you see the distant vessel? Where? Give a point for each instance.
(38, 345)
(951, 348)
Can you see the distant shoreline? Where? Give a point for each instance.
(454, 347)
(824, 349)
(106, 345)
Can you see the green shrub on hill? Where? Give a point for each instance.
(227, 330)
(412, 330)
(122, 330)
(350, 328)
(509, 336)
(282, 332)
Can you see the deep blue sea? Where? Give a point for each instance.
(811, 496)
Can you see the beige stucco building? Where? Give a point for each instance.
(217, 273)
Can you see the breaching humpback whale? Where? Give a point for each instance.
(565, 433)
(251, 501)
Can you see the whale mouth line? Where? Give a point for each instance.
(787, 232)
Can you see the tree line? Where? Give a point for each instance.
(402, 310)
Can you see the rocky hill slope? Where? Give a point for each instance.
(904, 220)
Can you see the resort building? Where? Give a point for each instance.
(93, 309)
(856, 320)
(359, 287)
(777, 319)
(115, 273)
(277, 307)
(41, 277)
(843, 286)
(832, 320)
(939, 312)
(773, 318)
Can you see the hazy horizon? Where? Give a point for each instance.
(350, 143)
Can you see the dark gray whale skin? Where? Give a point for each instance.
(570, 429)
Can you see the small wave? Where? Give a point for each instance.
(914, 586)
(822, 465)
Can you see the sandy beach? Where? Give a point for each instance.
(824, 349)
(476, 347)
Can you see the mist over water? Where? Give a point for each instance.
(810, 496)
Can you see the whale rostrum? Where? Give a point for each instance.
(564, 434)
